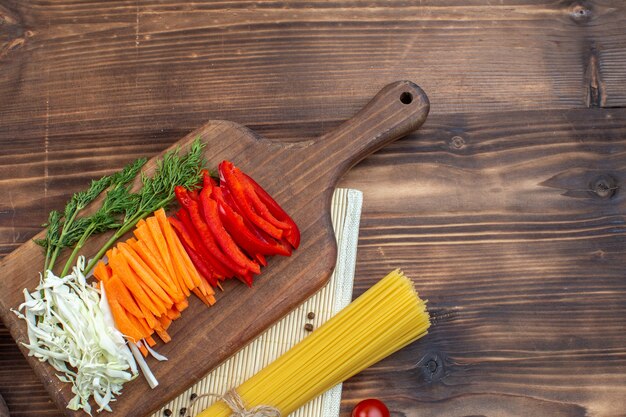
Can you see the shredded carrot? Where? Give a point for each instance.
(173, 314)
(116, 289)
(162, 308)
(190, 280)
(122, 270)
(159, 241)
(143, 350)
(202, 297)
(154, 264)
(165, 322)
(122, 322)
(143, 235)
(145, 273)
(163, 335)
(182, 305)
(101, 271)
(151, 342)
(152, 321)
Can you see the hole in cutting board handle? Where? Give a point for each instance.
(406, 97)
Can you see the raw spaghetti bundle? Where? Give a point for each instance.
(384, 319)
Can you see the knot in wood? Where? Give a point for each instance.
(457, 142)
(604, 186)
(581, 13)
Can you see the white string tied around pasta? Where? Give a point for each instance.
(238, 407)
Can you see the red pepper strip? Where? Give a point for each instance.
(227, 175)
(258, 205)
(240, 232)
(224, 240)
(208, 240)
(246, 279)
(194, 195)
(205, 233)
(220, 270)
(181, 232)
(293, 234)
(203, 267)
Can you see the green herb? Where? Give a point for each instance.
(158, 191)
(118, 200)
(121, 209)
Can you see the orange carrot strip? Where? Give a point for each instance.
(165, 322)
(141, 325)
(154, 264)
(211, 299)
(182, 305)
(208, 289)
(122, 322)
(181, 259)
(116, 289)
(143, 235)
(151, 342)
(144, 272)
(123, 271)
(173, 314)
(201, 296)
(164, 336)
(153, 297)
(150, 318)
(143, 350)
(161, 244)
(140, 223)
(101, 271)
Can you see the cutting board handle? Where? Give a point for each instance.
(398, 109)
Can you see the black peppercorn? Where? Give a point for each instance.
(167, 412)
(308, 327)
(183, 411)
(311, 315)
(193, 396)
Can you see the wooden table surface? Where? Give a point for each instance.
(507, 207)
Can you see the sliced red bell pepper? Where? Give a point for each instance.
(227, 175)
(220, 270)
(223, 239)
(256, 202)
(203, 266)
(246, 279)
(293, 234)
(182, 233)
(205, 233)
(252, 243)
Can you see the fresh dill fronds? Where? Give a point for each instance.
(158, 190)
(118, 200)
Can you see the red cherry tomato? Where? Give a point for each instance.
(370, 408)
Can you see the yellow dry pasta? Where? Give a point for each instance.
(384, 319)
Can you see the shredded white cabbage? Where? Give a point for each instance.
(71, 327)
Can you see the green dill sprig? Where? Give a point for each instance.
(109, 216)
(158, 191)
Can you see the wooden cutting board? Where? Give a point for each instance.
(301, 177)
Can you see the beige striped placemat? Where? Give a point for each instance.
(346, 215)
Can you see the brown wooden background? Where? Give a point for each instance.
(507, 207)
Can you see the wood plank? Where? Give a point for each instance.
(169, 65)
(522, 258)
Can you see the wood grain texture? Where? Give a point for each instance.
(524, 274)
(86, 87)
(302, 178)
